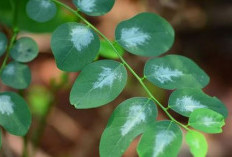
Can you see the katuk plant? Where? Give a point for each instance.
(75, 46)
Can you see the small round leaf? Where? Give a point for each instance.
(98, 84)
(24, 50)
(128, 120)
(16, 75)
(175, 71)
(94, 7)
(206, 120)
(41, 10)
(74, 45)
(3, 43)
(15, 116)
(185, 101)
(146, 34)
(161, 140)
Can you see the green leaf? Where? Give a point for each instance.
(185, 101)
(108, 52)
(197, 143)
(0, 139)
(3, 43)
(175, 71)
(41, 10)
(128, 120)
(74, 45)
(161, 140)
(15, 116)
(98, 84)
(24, 50)
(16, 75)
(145, 34)
(94, 7)
(206, 120)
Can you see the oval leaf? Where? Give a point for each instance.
(128, 120)
(98, 84)
(15, 116)
(16, 75)
(146, 34)
(175, 71)
(24, 50)
(206, 120)
(3, 43)
(185, 101)
(94, 7)
(161, 140)
(41, 10)
(197, 143)
(108, 52)
(74, 45)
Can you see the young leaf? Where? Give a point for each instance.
(74, 45)
(161, 140)
(41, 10)
(206, 120)
(94, 7)
(16, 75)
(3, 43)
(197, 143)
(108, 52)
(185, 101)
(175, 71)
(145, 34)
(24, 50)
(98, 84)
(128, 120)
(15, 116)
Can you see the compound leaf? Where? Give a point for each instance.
(206, 120)
(161, 140)
(15, 116)
(94, 7)
(41, 10)
(74, 45)
(197, 143)
(108, 52)
(128, 120)
(16, 75)
(24, 50)
(145, 34)
(3, 43)
(175, 71)
(98, 84)
(185, 101)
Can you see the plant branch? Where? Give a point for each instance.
(124, 62)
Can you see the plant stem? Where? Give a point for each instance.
(123, 61)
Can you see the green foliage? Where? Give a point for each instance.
(207, 120)
(74, 45)
(145, 34)
(128, 120)
(175, 71)
(3, 43)
(107, 51)
(24, 50)
(160, 140)
(98, 84)
(197, 143)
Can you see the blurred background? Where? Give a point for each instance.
(203, 33)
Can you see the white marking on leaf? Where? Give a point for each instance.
(196, 143)
(6, 105)
(87, 5)
(132, 37)
(81, 37)
(165, 74)
(136, 116)
(45, 4)
(207, 121)
(187, 103)
(9, 70)
(162, 140)
(106, 78)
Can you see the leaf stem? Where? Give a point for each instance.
(124, 62)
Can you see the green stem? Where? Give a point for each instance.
(123, 61)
